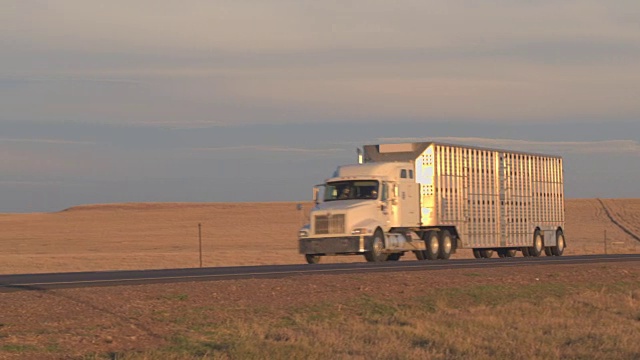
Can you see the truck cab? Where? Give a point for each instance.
(363, 209)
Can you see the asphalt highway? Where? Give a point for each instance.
(22, 282)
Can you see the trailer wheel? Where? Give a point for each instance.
(377, 245)
(419, 255)
(433, 245)
(312, 259)
(446, 245)
(486, 253)
(525, 252)
(476, 253)
(538, 245)
(506, 253)
(547, 251)
(560, 244)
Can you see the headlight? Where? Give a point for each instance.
(360, 231)
(303, 233)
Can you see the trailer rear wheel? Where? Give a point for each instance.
(525, 252)
(377, 245)
(312, 259)
(538, 245)
(486, 253)
(560, 244)
(476, 253)
(506, 253)
(433, 245)
(419, 255)
(547, 251)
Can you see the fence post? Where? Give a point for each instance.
(200, 241)
(300, 208)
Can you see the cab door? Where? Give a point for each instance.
(408, 199)
(388, 205)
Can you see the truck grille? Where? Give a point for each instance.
(332, 224)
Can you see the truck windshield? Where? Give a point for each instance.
(351, 190)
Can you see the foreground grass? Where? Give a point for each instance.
(535, 321)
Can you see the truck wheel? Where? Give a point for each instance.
(433, 245)
(502, 253)
(476, 253)
(538, 245)
(446, 245)
(525, 252)
(560, 244)
(377, 245)
(419, 255)
(312, 259)
(394, 257)
(547, 251)
(486, 253)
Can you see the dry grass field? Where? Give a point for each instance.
(165, 235)
(523, 312)
(529, 312)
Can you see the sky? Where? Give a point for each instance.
(211, 101)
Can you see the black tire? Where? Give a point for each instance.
(538, 245)
(419, 255)
(432, 242)
(312, 259)
(558, 249)
(394, 257)
(445, 245)
(525, 252)
(377, 245)
(486, 253)
(476, 253)
(547, 251)
(507, 253)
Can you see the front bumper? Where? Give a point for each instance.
(335, 245)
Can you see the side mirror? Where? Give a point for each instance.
(316, 192)
(392, 197)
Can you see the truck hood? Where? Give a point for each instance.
(345, 205)
(358, 213)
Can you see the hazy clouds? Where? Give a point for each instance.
(223, 62)
(176, 100)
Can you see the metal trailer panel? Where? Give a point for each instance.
(495, 198)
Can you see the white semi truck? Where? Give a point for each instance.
(432, 198)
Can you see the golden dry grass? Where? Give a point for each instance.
(165, 235)
(588, 311)
(586, 223)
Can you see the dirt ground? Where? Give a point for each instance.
(70, 323)
(165, 235)
(75, 323)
